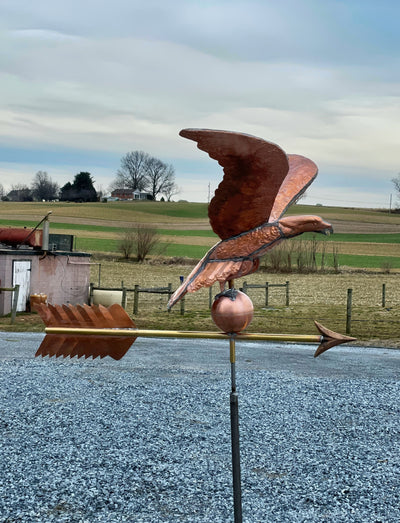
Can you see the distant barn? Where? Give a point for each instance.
(128, 194)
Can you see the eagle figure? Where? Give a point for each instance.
(260, 182)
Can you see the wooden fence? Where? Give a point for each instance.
(267, 286)
(167, 290)
(152, 290)
(349, 306)
(15, 290)
(137, 290)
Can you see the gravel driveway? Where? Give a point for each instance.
(146, 439)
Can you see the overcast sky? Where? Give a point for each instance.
(84, 82)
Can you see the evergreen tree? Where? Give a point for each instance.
(81, 190)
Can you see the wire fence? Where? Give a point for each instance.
(366, 310)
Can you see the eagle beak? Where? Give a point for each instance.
(325, 228)
(327, 231)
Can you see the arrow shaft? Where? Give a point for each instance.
(297, 338)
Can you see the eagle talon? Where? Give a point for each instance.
(228, 293)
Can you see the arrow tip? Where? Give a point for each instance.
(330, 339)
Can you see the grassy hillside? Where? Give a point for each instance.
(364, 237)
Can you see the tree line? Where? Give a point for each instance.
(139, 171)
(44, 188)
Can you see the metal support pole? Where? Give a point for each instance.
(383, 294)
(348, 313)
(234, 409)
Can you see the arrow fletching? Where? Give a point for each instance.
(85, 316)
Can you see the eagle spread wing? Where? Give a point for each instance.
(253, 172)
(260, 182)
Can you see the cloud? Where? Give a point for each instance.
(319, 78)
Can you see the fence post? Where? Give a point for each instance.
(383, 294)
(348, 314)
(266, 293)
(169, 293)
(210, 300)
(287, 294)
(91, 285)
(14, 303)
(136, 299)
(245, 287)
(182, 306)
(123, 297)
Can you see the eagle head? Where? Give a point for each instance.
(295, 225)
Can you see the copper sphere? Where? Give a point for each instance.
(232, 311)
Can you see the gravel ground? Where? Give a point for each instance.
(147, 439)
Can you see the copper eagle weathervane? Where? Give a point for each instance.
(247, 212)
(260, 182)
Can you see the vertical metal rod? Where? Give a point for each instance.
(348, 313)
(234, 410)
(383, 294)
(45, 241)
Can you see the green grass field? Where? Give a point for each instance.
(337, 237)
(365, 239)
(185, 231)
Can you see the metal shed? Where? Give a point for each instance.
(63, 276)
(41, 263)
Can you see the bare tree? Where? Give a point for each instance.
(2, 193)
(140, 240)
(43, 188)
(20, 193)
(160, 176)
(126, 243)
(142, 172)
(396, 183)
(170, 189)
(133, 171)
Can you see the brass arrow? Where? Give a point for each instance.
(98, 331)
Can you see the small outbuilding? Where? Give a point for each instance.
(41, 263)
